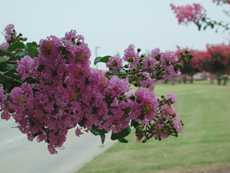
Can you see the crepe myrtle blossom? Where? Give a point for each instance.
(144, 70)
(166, 122)
(155, 52)
(26, 66)
(4, 46)
(59, 91)
(146, 81)
(9, 32)
(117, 86)
(71, 35)
(146, 103)
(171, 97)
(114, 63)
(4, 115)
(130, 54)
(149, 63)
(188, 13)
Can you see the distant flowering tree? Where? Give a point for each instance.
(219, 63)
(187, 69)
(215, 59)
(188, 13)
(196, 13)
(49, 88)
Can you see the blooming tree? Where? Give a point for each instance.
(195, 13)
(218, 61)
(215, 59)
(192, 61)
(49, 88)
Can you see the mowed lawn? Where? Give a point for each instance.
(203, 145)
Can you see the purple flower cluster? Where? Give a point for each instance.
(168, 61)
(9, 32)
(146, 105)
(166, 122)
(144, 70)
(116, 87)
(26, 66)
(67, 93)
(130, 54)
(114, 63)
(4, 46)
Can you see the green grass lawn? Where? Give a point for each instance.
(205, 141)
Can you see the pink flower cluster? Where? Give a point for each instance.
(166, 117)
(114, 63)
(9, 32)
(4, 46)
(144, 70)
(220, 50)
(25, 67)
(199, 58)
(67, 93)
(188, 13)
(130, 54)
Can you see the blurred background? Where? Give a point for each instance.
(203, 94)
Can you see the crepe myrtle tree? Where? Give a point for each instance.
(49, 88)
(215, 60)
(187, 70)
(194, 61)
(195, 13)
(219, 62)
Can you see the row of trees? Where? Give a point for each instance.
(215, 60)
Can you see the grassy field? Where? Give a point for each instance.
(203, 146)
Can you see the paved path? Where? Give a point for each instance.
(18, 155)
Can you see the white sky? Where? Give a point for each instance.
(110, 24)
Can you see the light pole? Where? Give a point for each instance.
(96, 53)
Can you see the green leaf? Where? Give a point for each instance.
(19, 55)
(121, 135)
(4, 59)
(97, 131)
(199, 26)
(179, 66)
(123, 140)
(17, 45)
(103, 59)
(32, 49)
(134, 124)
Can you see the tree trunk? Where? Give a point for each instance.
(191, 79)
(184, 79)
(225, 79)
(219, 79)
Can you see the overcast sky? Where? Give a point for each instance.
(110, 24)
